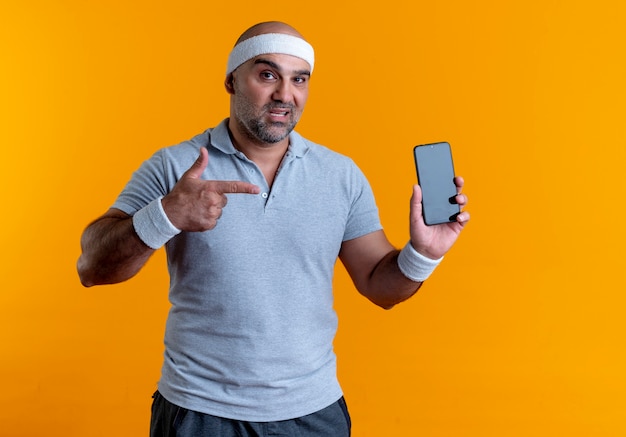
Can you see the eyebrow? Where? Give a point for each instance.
(278, 68)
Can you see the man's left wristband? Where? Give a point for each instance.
(153, 226)
(414, 265)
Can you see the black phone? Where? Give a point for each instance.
(435, 176)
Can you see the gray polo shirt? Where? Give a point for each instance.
(251, 326)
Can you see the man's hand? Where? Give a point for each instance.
(434, 241)
(194, 204)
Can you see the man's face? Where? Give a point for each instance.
(270, 92)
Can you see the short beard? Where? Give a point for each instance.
(257, 130)
(261, 131)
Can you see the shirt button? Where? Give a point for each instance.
(264, 195)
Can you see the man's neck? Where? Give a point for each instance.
(267, 156)
(257, 150)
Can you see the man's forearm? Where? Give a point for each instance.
(111, 252)
(388, 286)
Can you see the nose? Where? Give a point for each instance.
(283, 92)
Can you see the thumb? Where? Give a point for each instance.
(416, 198)
(197, 168)
(416, 204)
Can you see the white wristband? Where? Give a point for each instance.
(414, 265)
(153, 226)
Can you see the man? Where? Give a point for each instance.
(253, 217)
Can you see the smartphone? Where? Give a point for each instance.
(435, 176)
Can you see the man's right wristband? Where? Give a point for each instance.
(153, 226)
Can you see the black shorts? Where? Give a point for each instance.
(169, 420)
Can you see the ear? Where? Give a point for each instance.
(229, 84)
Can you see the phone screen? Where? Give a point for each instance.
(435, 175)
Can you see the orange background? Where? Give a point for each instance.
(520, 331)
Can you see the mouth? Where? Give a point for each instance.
(278, 113)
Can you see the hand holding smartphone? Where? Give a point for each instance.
(435, 175)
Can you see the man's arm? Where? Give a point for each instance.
(112, 250)
(372, 264)
(372, 261)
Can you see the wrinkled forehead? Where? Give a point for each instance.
(279, 43)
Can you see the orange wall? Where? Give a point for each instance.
(521, 330)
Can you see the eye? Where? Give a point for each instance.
(300, 80)
(267, 75)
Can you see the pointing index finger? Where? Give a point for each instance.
(227, 187)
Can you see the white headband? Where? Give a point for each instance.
(270, 43)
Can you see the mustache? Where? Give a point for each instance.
(270, 106)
